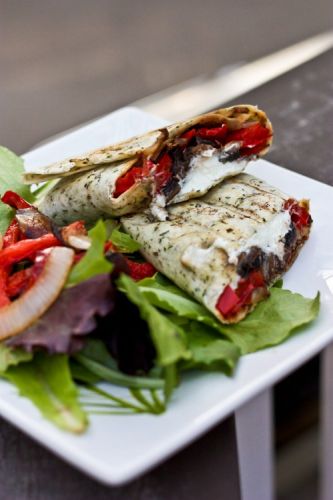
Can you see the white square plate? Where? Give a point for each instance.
(116, 449)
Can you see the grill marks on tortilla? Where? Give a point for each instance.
(149, 144)
(87, 183)
(253, 197)
(185, 249)
(114, 154)
(88, 195)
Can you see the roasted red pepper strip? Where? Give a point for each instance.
(299, 215)
(140, 270)
(25, 248)
(163, 171)
(189, 134)
(227, 301)
(21, 281)
(78, 257)
(253, 138)
(108, 245)
(4, 299)
(127, 180)
(14, 200)
(255, 278)
(217, 133)
(12, 235)
(163, 168)
(231, 301)
(246, 286)
(18, 282)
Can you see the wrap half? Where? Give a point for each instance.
(166, 166)
(227, 248)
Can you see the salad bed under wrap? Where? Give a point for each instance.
(108, 325)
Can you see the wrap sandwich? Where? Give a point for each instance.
(162, 167)
(227, 248)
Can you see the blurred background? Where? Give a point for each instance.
(64, 62)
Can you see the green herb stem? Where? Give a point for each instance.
(122, 402)
(119, 378)
(157, 401)
(137, 394)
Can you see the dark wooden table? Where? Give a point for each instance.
(300, 105)
(63, 63)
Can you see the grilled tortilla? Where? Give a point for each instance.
(227, 248)
(166, 166)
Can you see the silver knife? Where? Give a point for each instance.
(200, 94)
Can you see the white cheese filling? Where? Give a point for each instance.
(206, 171)
(157, 207)
(269, 238)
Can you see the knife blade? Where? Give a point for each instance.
(203, 93)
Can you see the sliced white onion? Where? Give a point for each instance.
(81, 242)
(24, 311)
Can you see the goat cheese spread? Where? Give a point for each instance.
(269, 238)
(207, 170)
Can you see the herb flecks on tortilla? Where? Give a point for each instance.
(227, 248)
(173, 164)
(141, 334)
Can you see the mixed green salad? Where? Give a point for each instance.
(81, 312)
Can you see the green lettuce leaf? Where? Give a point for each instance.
(278, 283)
(47, 382)
(11, 169)
(168, 338)
(272, 321)
(96, 358)
(124, 242)
(209, 351)
(163, 294)
(93, 262)
(10, 356)
(43, 189)
(171, 380)
(81, 374)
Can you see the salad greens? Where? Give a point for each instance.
(108, 404)
(169, 339)
(273, 320)
(65, 382)
(11, 169)
(97, 360)
(94, 261)
(160, 292)
(46, 381)
(70, 318)
(124, 242)
(283, 311)
(10, 356)
(210, 351)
